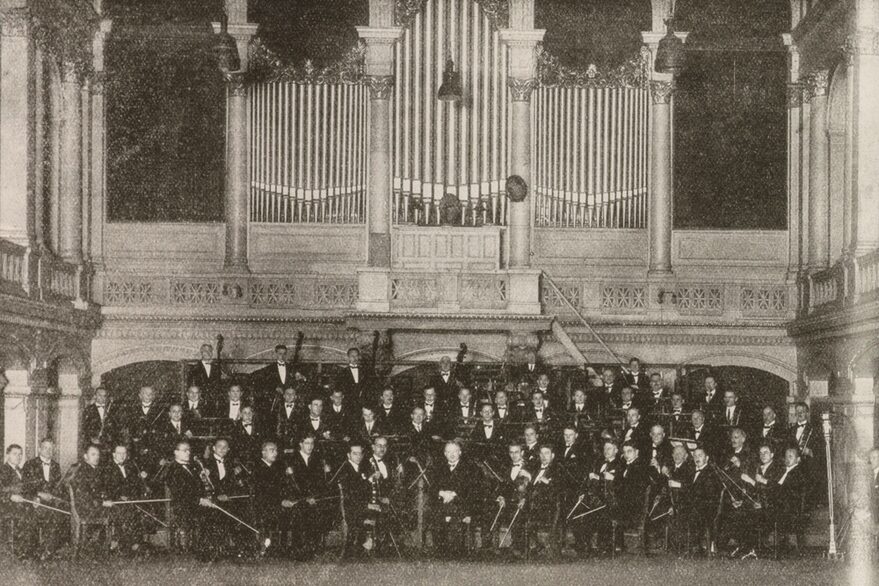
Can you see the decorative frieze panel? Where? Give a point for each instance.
(12, 264)
(413, 291)
(487, 292)
(129, 292)
(700, 299)
(552, 301)
(195, 292)
(334, 294)
(760, 301)
(617, 297)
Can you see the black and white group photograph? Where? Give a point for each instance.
(439, 292)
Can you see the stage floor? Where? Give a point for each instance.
(163, 571)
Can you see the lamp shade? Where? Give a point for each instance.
(226, 48)
(450, 90)
(669, 53)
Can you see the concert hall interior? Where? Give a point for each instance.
(536, 281)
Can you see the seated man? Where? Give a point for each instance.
(511, 497)
(270, 504)
(596, 501)
(42, 482)
(545, 493)
(631, 489)
(701, 501)
(88, 490)
(123, 482)
(452, 492)
(189, 499)
(357, 511)
(786, 498)
(11, 506)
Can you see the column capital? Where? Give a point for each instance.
(661, 91)
(521, 88)
(15, 22)
(235, 84)
(816, 84)
(380, 86)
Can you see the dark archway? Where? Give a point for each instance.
(757, 388)
(124, 382)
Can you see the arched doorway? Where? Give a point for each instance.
(757, 388)
(124, 382)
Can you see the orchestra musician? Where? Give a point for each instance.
(357, 511)
(701, 502)
(636, 432)
(97, 425)
(368, 427)
(11, 508)
(341, 415)
(281, 373)
(390, 414)
(786, 499)
(596, 502)
(634, 480)
(511, 496)
(773, 431)
(207, 376)
(702, 433)
(307, 472)
(452, 493)
(539, 413)
(314, 423)
(138, 425)
(87, 488)
(123, 481)
(168, 431)
(42, 483)
(711, 402)
(445, 383)
(247, 436)
(433, 410)
(270, 506)
(677, 476)
(189, 500)
(354, 380)
(677, 418)
(194, 407)
(286, 418)
(531, 449)
(635, 377)
(543, 510)
(657, 395)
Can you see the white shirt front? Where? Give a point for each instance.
(784, 476)
(47, 469)
(101, 411)
(282, 372)
(122, 470)
(489, 430)
(383, 470)
(355, 374)
(514, 471)
(234, 409)
(315, 423)
(221, 469)
(207, 368)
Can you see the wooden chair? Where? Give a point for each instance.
(80, 524)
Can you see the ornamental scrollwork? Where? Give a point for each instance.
(498, 11)
(633, 73)
(267, 66)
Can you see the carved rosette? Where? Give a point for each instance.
(816, 84)
(661, 91)
(521, 88)
(380, 86)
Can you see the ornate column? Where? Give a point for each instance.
(16, 130)
(660, 177)
(522, 39)
(67, 419)
(379, 36)
(237, 178)
(236, 189)
(70, 218)
(862, 49)
(99, 148)
(819, 204)
(794, 160)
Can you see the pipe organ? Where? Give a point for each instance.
(458, 148)
(589, 135)
(308, 152)
(591, 156)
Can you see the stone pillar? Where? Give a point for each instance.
(236, 190)
(819, 203)
(379, 37)
(794, 159)
(237, 137)
(71, 164)
(522, 39)
(16, 130)
(98, 161)
(661, 177)
(67, 422)
(863, 72)
(16, 403)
